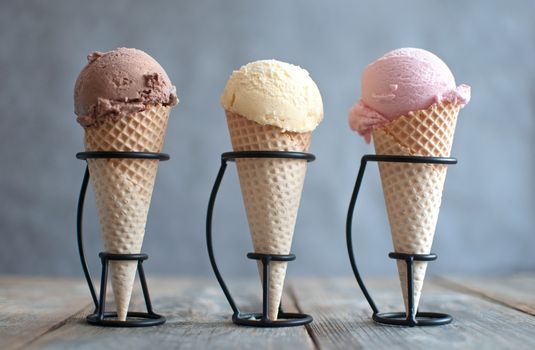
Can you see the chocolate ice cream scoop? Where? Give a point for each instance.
(118, 83)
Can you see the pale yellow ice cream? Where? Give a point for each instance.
(271, 92)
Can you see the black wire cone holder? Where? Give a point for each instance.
(410, 318)
(100, 316)
(285, 319)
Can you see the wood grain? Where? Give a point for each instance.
(31, 307)
(515, 290)
(39, 313)
(198, 317)
(342, 318)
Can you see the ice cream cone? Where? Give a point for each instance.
(271, 190)
(413, 192)
(123, 188)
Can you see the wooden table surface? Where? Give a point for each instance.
(489, 313)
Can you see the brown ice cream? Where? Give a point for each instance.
(119, 83)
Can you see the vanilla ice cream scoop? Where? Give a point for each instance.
(271, 92)
(402, 81)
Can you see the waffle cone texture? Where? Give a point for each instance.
(123, 189)
(271, 190)
(413, 192)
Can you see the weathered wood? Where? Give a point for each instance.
(516, 290)
(342, 318)
(40, 313)
(31, 307)
(198, 317)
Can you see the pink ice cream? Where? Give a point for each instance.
(402, 81)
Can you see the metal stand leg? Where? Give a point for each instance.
(412, 318)
(134, 319)
(262, 319)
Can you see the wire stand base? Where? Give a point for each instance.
(284, 320)
(262, 319)
(409, 318)
(420, 319)
(133, 319)
(254, 319)
(100, 317)
(412, 318)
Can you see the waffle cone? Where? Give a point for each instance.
(271, 190)
(123, 189)
(413, 192)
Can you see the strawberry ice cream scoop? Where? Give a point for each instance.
(402, 81)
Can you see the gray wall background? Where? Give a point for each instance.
(488, 213)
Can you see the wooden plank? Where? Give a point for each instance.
(198, 317)
(516, 290)
(30, 307)
(342, 318)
